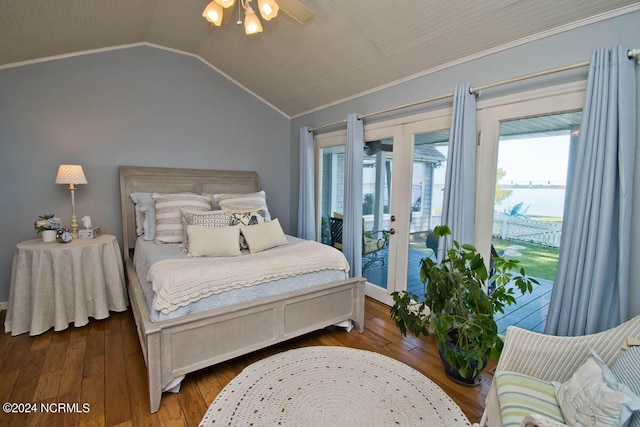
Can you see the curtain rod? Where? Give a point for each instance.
(388, 110)
(631, 54)
(328, 125)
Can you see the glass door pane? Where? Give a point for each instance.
(331, 187)
(427, 184)
(376, 191)
(531, 179)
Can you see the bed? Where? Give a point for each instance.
(177, 346)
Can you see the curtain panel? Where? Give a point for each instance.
(458, 208)
(306, 198)
(592, 289)
(352, 229)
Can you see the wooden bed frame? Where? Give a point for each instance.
(176, 347)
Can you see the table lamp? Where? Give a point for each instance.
(72, 175)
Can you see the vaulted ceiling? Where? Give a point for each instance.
(347, 48)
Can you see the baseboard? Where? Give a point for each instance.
(4, 305)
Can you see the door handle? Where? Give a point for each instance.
(392, 231)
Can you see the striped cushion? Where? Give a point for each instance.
(520, 395)
(627, 369)
(244, 202)
(168, 218)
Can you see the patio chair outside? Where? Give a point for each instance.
(370, 247)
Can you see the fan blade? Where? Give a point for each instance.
(296, 10)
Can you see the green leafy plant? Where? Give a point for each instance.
(456, 307)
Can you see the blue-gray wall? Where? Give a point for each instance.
(150, 107)
(135, 106)
(565, 48)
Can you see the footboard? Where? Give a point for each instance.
(179, 346)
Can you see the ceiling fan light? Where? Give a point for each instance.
(268, 9)
(213, 13)
(252, 24)
(225, 3)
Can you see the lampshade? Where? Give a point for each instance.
(70, 174)
(213, 13)
(252, 24)
(268, 9)
(225, 3)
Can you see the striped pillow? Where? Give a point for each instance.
(244, 202)
(627, 370)
(168, 218)
(521, 395)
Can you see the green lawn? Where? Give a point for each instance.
(538, 261)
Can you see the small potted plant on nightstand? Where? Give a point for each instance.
(456, 307)
(48, 226)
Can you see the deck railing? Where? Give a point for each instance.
(519, 229)
(528, 230)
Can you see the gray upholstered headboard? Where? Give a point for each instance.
(171, 180)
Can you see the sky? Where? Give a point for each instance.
(537, 159)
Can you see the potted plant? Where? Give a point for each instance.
(48, 226)
(456, 307)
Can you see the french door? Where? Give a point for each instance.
(403, 174)
(523, 163)
(403, 178)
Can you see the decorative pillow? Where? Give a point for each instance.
(594, 397)
(220, 218)
(145, 215)
(627, 370)
(520, 395)
(213, 241)
(244, 202)
(264, 236)
(168, 218)
(247, 218)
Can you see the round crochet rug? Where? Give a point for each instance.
(332, 386)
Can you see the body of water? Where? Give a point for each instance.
(535, 201)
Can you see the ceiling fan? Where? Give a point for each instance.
(268, 10)
(296, 10)
(374, 147)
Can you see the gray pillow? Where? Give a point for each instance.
(145, 215)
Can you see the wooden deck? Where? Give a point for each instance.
(530, 311)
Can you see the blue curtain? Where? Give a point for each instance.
(352, 223)
(591, 290)
(306, 204)
(458, 209)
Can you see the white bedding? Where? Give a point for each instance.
(179, 282)
(149, 253)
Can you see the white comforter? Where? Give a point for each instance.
(181, 281)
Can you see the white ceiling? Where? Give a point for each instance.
(349, 47)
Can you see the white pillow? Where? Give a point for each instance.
(247, 218)
(593, 397)
(213, 241)
(243, 202)
(168, 218)
(264, 236)
(220, 218)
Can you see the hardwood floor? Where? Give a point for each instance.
(101, 365)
